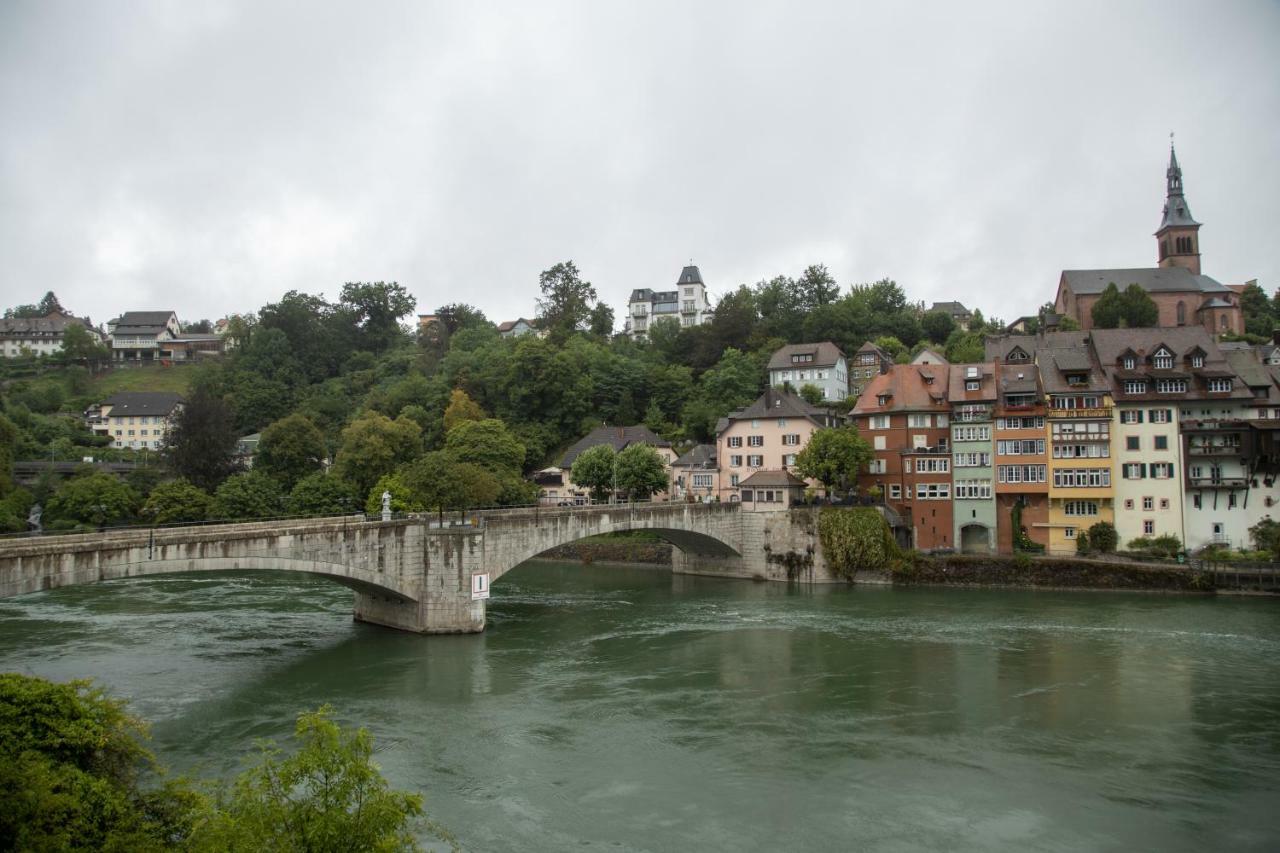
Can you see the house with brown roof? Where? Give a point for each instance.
(765, 436)
(39, 335)
(822, 365)
(905, 414)
(516, 328)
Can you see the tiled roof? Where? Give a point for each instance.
(774, 403)
(137, 403)
(961, 374)
(618, 438)
(825, 354)
(780, 478)
(700, 456)
(908, 388)
(1150, 279)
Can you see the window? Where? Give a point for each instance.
(895, 491)
(1069, 532)
(906, 464)
(1080, 507)
(1134, 471)
(933, 491)
(1131, 416)
(1162, 470)
(733, 479)
(788, 459)
(735, 461)
(1172, 386)
(791, 439)
(1162, 442)
(1128, 503)
(1020, 423)
(919, 421)
(972, 433)
(1231, 500)
(1148, 504)
(972, 460)
(735, 441)
(1158, 416)
(782, 423)
(1020, 473)
(1025, 447)
(1129, 363)
(1195, 500)
(1219, 386)
(1135, 386)
(1148, 527)
(1197, 361)
(755, 441)
(876, 466)
(1131, 442)
(973, 489)
(1081, 478)
(755, 461)
(880, 421)
(1164, 503)
(933, 466)
(1163, 359)
(702, 481)
(972, 385)
(882, 400)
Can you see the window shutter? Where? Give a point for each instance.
(1144, 470)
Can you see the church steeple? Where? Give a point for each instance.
(1178, 238)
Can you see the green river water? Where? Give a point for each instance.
(629, 709)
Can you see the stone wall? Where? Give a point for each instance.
(1048, 572)
(648, 553)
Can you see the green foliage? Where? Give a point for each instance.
(94, 498)
(639, 472)
(937, 326)
(965, 347)
(593, 470)
(461, 408)
(373, 445)
(290, 449)
(833, 457)
(1139, 309)
(323, 494)
(14, 509)
(8, 440)
(1167, 546)
(1108, 311)
(402, 497)
(487, 443)
(855, 539)
(328, 795)
(1266, 537)
(893, 347)
(811, 394)
(201, 444)
(375, 309)
(1082, 542)
(1259, 311)
(176, 501)
(79, 346)
(437, 481)
(1022, 542)
(72, 773)
(247, 496)
(566, 303)
(1103, 537)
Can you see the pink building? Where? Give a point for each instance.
(765, 436)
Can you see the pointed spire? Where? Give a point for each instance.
(1176, 210)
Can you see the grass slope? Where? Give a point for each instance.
(150, 378)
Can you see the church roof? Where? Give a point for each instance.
(1150, 279)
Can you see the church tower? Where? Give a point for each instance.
(1178, 239)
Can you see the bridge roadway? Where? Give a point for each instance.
(408, 573)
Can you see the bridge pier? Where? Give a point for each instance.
(443, 615)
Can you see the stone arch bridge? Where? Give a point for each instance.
(411, 574)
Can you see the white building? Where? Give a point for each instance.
(39, 335)
(687, 305)
(135, 419)
(822, 365)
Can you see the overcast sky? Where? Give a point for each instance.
(208, 157)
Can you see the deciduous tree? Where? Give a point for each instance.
(593, 470)
(290, 449)
(176, 501)
(487, 443)
(246, 496)
(201, 443)
(566, 300)
(323, 494)
(95, 498)
(640, 472)
(373, 445)
(461, 408)
(833, 457)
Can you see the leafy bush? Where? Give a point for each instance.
(1103, 537)
(1082, 542)
(855, 538)
(1167, 545)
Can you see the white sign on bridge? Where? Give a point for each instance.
(479, 586)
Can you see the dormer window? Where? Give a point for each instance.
(1163, 359)
(882, 400)
(1129, 362)
(972, 384)
(1076, 379)
(1197, 361)
(1135, 386)
(1017, 354)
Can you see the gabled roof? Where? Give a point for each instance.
(699, 456)
(776, 479)
(508, 325)
(55, 322)
(1182, 341)
(1150, 279)
(776, 403)
(952, 308)
(619, 438)
(906, 389)
(139, 403)
(962, 374)
(825, 354)
(929, 356)
(1019, 378)
(998, 347)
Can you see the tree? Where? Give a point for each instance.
(1139, 309)
(566, 301)
(461, 408)
(328, 795)
(247, 496)
(376, 308)
(1259, 314)
(95, 498)
(833, 457)
(815, 287)
(640, 471)
(1266, 536)
(892, 346)
(593, 470)
(176, 501)
(438, 482)
(8, 440)
(290, 449)
(600, 320)
(201, 445)
(373, 445)
(937, 326)
(812, 394)
(964, 348)
(75, 774)
(49, 304)
(1103, 537)
(79, 346)
(1108, 311)
(323, 494)
(486, 443)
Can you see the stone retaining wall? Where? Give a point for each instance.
(967, 570)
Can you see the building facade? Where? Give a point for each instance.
(972, 392)
(765, 436)
(138, 420)
(822, 365)
(687, 305)
(26, 336)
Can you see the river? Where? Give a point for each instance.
(628, 709)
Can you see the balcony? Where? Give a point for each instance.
(689, 308)
(1212, 482)
(639, 310)
(1214, 450)
(1101, 412)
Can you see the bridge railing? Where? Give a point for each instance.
(470, 517)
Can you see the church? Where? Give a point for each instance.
(1184, 296)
